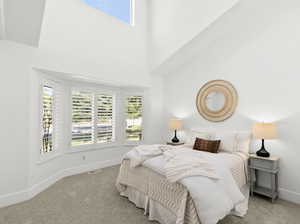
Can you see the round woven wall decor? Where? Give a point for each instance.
(217, 100)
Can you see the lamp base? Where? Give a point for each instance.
(175, 139)
(263, 152)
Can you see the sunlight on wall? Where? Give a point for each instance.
(181, 113)
(265, 114)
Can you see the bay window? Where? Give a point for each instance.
(82, 118)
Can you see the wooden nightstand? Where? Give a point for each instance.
(175, 144)
(268, 165)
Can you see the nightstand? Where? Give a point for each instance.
(175, 144)
(267, 165)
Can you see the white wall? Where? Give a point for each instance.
(2, 29)
(90, 42)
(175, 22)
(14, 134)
(256, 47)
(23, 175)
(80, 41)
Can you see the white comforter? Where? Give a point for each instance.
(214, 197)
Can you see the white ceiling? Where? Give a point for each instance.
(23, 20)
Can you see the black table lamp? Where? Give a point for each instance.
(264, 131)
(175, 125)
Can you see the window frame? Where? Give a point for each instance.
(97, 90)
(132, 12)
(93, 117)
(113, 116)
(55, 150)
(125, 96)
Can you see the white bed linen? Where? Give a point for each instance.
(215, 198)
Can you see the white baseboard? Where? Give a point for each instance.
(34, 190)
(289, 195)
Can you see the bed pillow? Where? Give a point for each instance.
(228, 141)
(207, 145)
(192, 135)
(243, 142)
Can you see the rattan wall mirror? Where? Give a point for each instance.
(217, 100)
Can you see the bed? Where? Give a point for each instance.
(181, 202)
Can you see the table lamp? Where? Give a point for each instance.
(264, 131)
(175, 125)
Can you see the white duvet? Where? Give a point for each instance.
(211, 185)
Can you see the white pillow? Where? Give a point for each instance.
(228, 141)
(192, 135)
(243, 142)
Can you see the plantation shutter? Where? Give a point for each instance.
(105, 118)
(47, 118)
(58, 116)
(134, 118)
(52, 117)
(82, 118)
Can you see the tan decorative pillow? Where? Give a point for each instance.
(207, 145)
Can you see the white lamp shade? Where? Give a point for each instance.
(175, 124)
(264, 131)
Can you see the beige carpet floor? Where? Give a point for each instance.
(93, 199)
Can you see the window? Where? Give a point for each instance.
(121, 9)
(92, 118)
(134, 118)
(105, 118)
(82, 118)
(47, 118)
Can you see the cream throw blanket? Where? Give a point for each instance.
(141, 153)
(185, 163)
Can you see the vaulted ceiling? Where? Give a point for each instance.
(21, 21)
(172, 25)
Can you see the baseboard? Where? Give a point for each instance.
(289, 195)
(13, 198)
(34, 190)
(25, 195)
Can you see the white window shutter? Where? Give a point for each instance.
(134, 118)
(82, 118)
(105, 118)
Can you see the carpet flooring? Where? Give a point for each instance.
(93, 199)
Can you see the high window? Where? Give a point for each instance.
(92, 118)
(134, 118)
(121, 9)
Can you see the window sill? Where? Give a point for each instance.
(85, 148)
(94, 147)
(46, 158)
